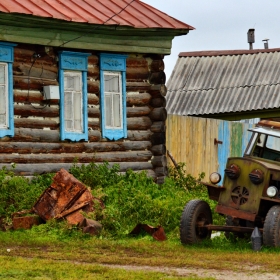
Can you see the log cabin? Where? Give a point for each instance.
(83, 81)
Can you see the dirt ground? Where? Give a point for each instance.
(251, 274)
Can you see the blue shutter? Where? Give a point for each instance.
(73, 61)
(117, 63)
(7, 56)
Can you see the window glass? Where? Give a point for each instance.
(117, 110)
(112, 82)
(2, 74)
(108, 110)
(113, 100)
(273, 143)
(73, 100)
(3, 97)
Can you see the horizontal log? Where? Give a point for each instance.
(139, 123)
(157, 77)
(94, 124)
(37, 97)
(161, 171)
(36, 123)
(158, 150)
(137, 111)
(158, 127)
(93, 99)
(93, 86)
(136, 62)
(133, 135)
(93, 59)
(35, 70)
(158, 138)
(43, 168)
(137, 73)
(35, 110)
(157, 90)
(149, 172)
(58, 148)
(159, 161)
(130, 156)
(41, 135)
(93, 112)
(27, 83)
(25, 53)
(93, 71)
(137, 99)
(158, 114)
(25, 96)
(157, 65)
(158, 102)
(137, 86)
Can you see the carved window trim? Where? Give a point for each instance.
(110, 64)
(71, 62)
(6, 60)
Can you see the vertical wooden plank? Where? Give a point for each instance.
(223, 149)
(246, 136)
(183, 144)
(236, 139)
(187, 156)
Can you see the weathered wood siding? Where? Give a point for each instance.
(191, 140)
(36, 146)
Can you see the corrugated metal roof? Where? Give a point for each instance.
(214, 82)
(132, 13)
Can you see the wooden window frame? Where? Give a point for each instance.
(71, 62)
(7, 59)
(113, 63)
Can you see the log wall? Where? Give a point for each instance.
(36, 146)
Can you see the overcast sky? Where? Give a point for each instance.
(221, 24)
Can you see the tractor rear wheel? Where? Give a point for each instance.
(196, 213)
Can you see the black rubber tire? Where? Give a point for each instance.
(195, 211)
(271, 228)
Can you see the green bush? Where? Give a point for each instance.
(134, 198)
(18, 193)
(129, 198)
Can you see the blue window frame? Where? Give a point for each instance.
(113, 96)
(6, 89)
(73, 95)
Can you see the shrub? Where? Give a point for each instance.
(129, 198)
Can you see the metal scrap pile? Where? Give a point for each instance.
(66, 198)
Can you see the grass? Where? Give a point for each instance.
(91, 253)
(20, 268)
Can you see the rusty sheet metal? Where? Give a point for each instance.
(110, 12)
(156, 232)
(26, 222)
(66, 195)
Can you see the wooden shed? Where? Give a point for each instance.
(83, 81)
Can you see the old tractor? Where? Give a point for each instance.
(249, 195)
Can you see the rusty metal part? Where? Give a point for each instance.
(26, 222)
(233, 171)
(235, 213)
(217, 142)
(156, 232)
(227, 228)
(65, 196)
(256, 176)
(90, 226)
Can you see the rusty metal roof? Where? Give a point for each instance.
(133, 13)
(215, 82)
